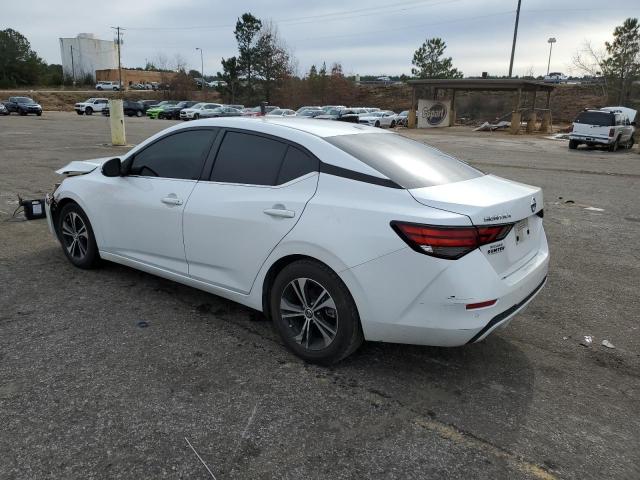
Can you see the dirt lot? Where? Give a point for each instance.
(85, 392)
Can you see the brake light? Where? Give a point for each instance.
(473, 306)
(612, 132)
(448, 242)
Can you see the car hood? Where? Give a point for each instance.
(81, 167)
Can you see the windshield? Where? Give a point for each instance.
(334, 111)
(408, 163)
(182, 104)
(198, 106)
(24, 100)
(601, 119)
(275, 112)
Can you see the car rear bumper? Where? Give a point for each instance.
(406, 297)
(588, 139)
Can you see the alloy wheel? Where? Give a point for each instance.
(310, 313)
(75, 235)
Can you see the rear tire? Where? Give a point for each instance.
(573, 144)
(630, 142)
(77, 237)
(321, 322)
(138, 114)
(88, 111)
(614, 146)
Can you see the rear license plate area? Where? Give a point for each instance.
(522, 231)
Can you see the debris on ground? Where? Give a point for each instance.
(594, 209)
(558, 136)
(490, 127)
(587, 340)
(608, 344)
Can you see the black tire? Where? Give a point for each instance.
(614, 146)
(39, 114)
(79, 112)
(573, 144)
(377, 124)
(630, 142)
(196, 116)
(393, 124)
(138, 113)
(23, 113)
(88, 111)
(73, 226)
(341, 323)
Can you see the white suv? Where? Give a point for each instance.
(611, 127)
(91, 105)
(108, 86)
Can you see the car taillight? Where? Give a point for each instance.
(612, 132)
(448, 242)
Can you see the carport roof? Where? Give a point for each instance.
(486, 84)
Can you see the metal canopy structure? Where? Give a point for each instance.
(516, 86)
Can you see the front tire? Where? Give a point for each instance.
(138, 113)
(573, 144)
(88, 111)
(79, 112)
(77, 237)
(314, 313)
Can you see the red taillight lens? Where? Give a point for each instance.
(612, 132)
(448, 242)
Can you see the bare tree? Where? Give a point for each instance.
(588, 61)
(179, 63)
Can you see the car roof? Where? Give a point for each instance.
(319, 128)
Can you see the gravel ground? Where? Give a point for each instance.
(87, 392)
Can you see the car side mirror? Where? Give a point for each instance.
(112, 168)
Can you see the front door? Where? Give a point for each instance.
(142, 211)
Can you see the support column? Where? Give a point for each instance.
(412, 119)
(516, 116)
(533, 118)
(116, 122)
(452, 112)
(546, 124)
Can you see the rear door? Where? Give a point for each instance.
(256, 193)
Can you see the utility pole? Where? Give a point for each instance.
(119, 43)
(201, 68)
(73, 69)
(551, 41)
(515, 35)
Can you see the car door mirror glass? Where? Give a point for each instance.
(112, 168)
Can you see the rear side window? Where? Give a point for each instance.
(296, 164)
(250, 159)
(602, 119)
(180, 155)
(406, 162)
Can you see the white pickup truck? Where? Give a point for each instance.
(611, 127)
(91, 105)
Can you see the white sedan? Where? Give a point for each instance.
(379, 119)
(281, 112)
(336, 231)
(198, 110)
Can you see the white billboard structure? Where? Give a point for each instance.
(84, 54)
(433, 113)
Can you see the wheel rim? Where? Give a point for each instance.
(310, 313)
(75, 235)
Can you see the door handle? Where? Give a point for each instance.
(171, 200)
(280, 212)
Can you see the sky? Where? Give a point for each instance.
(368, 37)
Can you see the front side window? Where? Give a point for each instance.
(406, 162)
(180, 155)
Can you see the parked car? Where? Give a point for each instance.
(555, 77)
(403, 118)
(328, 108)
(220, 112)
(3, 109)
(281, 112)
(147, 104)
(379, 119)
(609, 127)
(434, 252)
(371, 109)
(130, 107)
(23, 106)
(108, 86)
(154, 111)
(302, 109)
(198, 110)
(91, 105)
(173, 112)
(340, 114)
(310, 113)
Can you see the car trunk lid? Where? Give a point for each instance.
(491, 200)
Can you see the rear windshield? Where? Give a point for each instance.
(602, 119)
(408, 163)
